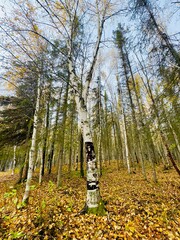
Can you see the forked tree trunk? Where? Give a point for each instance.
(33, 146)
(94, 203)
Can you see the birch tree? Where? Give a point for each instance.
(93, 200)
(33, 144)
(94, 203)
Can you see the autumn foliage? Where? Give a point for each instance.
(137, 209)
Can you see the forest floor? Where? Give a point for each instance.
(137, 209)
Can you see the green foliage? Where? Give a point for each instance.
(119, 37)
(16, 235)
(10, 194)
(16, 120)
(32, 187)
(99, 211)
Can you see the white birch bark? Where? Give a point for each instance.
(93, 193)
(125, 141)
(33, 146)
(40, 153)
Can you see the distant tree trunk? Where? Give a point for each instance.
(115, 141)
(24, 166)
(51, 151)
(14, 160)
(44, 148)
(148, 141)
(107, 134)
(119, 136)
(100, 157)
(121, 43)
(71, 137)
(135, 122)
(33, 145)
(124, 127)
(81, 153)
(162, 135)
(173, 131)
(140, 107)
(61, 150)
(99, 124)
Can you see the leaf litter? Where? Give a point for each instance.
(137, 209)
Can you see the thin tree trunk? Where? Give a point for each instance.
(173, 132)
(33, 146)
(44, 147)
(137, 135)
(107, 132)
(115, 140)
(141, 116)
(61, 151)
(14, 160)
(81, 155)
(124, 127)
(51, 151)
(164, 141)
(71, 138)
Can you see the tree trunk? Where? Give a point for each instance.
(14, 160)
(115, 140)
(61, 150)
(51, 151)
(124, 127)
(94, 203)
(71, 137)
(81, 153)
(162, 135)
(33, 146)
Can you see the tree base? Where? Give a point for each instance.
(99, 211)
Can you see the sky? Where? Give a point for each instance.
(171, 19)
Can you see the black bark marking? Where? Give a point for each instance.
(90, 153)
(92, 185)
